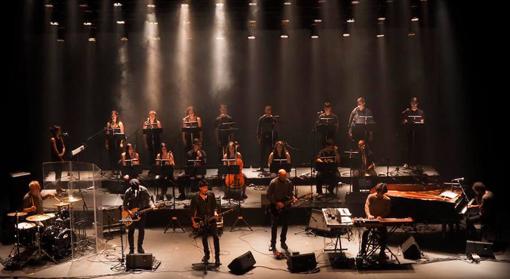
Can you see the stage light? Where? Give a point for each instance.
(317, 20)
(381, 18)
(117, 4)
(87, 23)
(415, 19)
(284, 36)
(380, 35)
(251, 37)
(346, 35)
(121, 22)
(48, 5)
(151, 6)
(350, 20)
(252, 4)
(287, 3)
(53, 23)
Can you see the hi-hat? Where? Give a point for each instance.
(17, 214)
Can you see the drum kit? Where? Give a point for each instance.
(43, 235)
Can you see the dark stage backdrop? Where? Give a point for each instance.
(201, 56)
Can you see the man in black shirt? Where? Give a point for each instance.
(413, 119)
(203, 208)
(327, 124)
(266, 135)
(360, 122)
(33, 200)
(137, 196)
(280, 194)
(224, 131)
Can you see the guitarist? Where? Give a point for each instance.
(203, 206)
(137, 196)
(280, 192)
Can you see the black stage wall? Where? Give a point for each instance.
(203, 57)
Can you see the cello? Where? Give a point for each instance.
(234, 181)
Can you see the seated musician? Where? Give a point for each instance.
(377, 206)
(136, 196)
(484, 205)
(328, 175)
(367, 167)
(33, 200)
(165, 162)
(195, 158)
(234, 181)
(203, 206)
(279, 156)
(129, 160)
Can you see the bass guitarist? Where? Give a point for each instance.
(137, 196)
(280, 195)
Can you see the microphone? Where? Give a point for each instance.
(320, 112)
(65, 134)
(458, 179)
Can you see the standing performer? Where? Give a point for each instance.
(266, 134)
(137, 196)
(328, 173)
(194, 122)
(360, 122)
(203, 208)
(165, 162)
(114, 140)
(57, 151)
(280, 195)
(326, 124)
(413, 120)
(223, 130)
(152, 137)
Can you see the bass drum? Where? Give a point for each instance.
(57, 241)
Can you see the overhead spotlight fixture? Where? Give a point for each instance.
(117, 4)
(381, 18)
(48, 5)
(184, 5)
(151, 6)
(121, 22)
(87, 23)
(252, 4)
(92, 40)
(317, 20)
(219, 4)
(355, 2)
(284, 36)
(124, 39)
(287, 3)
(251, 37)
(411, 34)
(380, 36)
(346, 35)
(350, 20)
(415, 19)
(314, 36)
(53, 23)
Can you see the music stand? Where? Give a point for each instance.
(325, 126)
(362, 124)
(327, 167)
(354, 160)
(278, 164)
(414, 124)
(194, 172)
(191, 127)
(151, 132)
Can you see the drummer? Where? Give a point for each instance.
(33, 200)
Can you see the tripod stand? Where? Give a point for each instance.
(174, 220)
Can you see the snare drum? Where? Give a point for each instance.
(27, 233)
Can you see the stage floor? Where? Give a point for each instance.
(177, 251)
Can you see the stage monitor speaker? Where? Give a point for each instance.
(139, 261)
(302, 262)
(317, 222)
(242, 264)
(482, 249)
(410, 249)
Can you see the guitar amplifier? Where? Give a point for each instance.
(302, 262)
(139, 261)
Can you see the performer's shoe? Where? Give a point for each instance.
(272, 247)
(217, 262)
(205, 259)
(284, 246)
(140, 250)
(131, 251)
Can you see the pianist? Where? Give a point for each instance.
(377, 206)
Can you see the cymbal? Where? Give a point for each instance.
(38, 218)
(73, 199)
(17, 214)
(60, 204)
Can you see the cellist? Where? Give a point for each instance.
(230, 158)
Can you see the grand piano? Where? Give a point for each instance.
(430, 203)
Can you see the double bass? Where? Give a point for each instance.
(235, 181)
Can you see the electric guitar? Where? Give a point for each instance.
(275, 211)
(202, 223)
(136, 214)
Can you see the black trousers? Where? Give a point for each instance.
(328, 178)
(381, 234)
(211, 230)
(282, 219)
(266, 146)
(140, 225)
